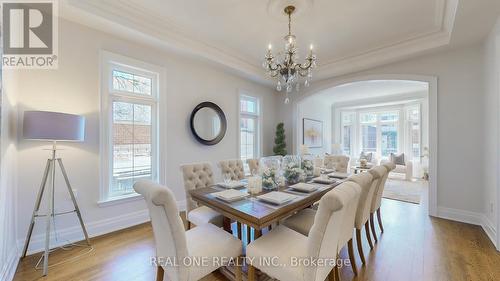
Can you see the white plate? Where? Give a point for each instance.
(231, 184)
(277, 197)
(230, 195)
(305, 187)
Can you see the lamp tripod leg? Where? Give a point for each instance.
(50, 216)
(70, 190)
(36, 208)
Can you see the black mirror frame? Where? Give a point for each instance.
(223, 126)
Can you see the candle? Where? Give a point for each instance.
(317, 171)
(304, 150)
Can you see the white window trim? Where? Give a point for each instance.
(257, 116)
(107, 96)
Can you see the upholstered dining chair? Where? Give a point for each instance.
(303, 221)
(199, 175)
(234, 167)
(321, 243)
(338, 162)
(381, 173)
(173, 242)
(368, 184)
(377, 199)
(253, 165)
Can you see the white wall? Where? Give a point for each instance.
(460, 117)
(74, 88)
(491, 171)
(317, 109)
(8, 177)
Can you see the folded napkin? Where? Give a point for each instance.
(306, 187)
(338, 175)
(277, 197)
(323, 180)
(230, 195)
(231, 184)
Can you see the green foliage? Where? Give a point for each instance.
(279, 141)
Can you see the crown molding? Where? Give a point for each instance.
(141, 25)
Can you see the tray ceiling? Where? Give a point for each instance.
(348, 35)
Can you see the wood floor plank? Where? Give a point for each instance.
(413, 247)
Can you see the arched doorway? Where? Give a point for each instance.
(431, 83)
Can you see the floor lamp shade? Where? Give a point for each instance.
(53, 126)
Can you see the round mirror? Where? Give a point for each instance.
(208, 123)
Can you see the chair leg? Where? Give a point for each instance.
(372, 226)
(368, 236)
(251, 273)
(237, 269)
(380, 220)
(248, 231)
(159, 273)
(239, 230)
(360, 246)
(350, 250)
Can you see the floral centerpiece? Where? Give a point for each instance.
(269, 178)
(293, 173)
(308, 167)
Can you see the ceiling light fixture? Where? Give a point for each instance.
(286, 68)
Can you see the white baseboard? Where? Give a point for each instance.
(9, 268)
(471, 218)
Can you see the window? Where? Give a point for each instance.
(380, 132)
(347, 131)
(249, 127)
(413, 116)
(130, 131)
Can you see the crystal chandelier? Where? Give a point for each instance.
(285, 67)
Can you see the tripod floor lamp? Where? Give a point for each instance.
(54, 127)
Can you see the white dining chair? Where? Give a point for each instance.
(303, 221)
(322, 242)
(377, 199)
(253, 165)
(381, 173)
(233, 167)
(338, 162)
(184, 247)
(199, 175)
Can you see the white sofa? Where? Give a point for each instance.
(406, 169)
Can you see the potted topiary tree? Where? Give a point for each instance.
(279, 140)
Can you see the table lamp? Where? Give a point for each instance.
(54, 127)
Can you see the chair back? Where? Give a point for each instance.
(377, 199)
(323, 238)
(338, 162)
(168, 229)
(365, 200)
(233, 167)
(350, 215)
(253, 165)
(196, 175)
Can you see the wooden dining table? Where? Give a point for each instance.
(254, 212)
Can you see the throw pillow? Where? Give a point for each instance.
(398, 159)
(367, 156)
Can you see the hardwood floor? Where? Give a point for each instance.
(414, 247)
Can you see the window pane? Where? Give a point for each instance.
(248, 138)
(347, 118)
(389, 142)
(390, 116)
(368, 118)
(248, 105)
(369, 138)
(346, 139)
(132, 142)
(132, 83)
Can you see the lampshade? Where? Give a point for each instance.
(53, 126)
